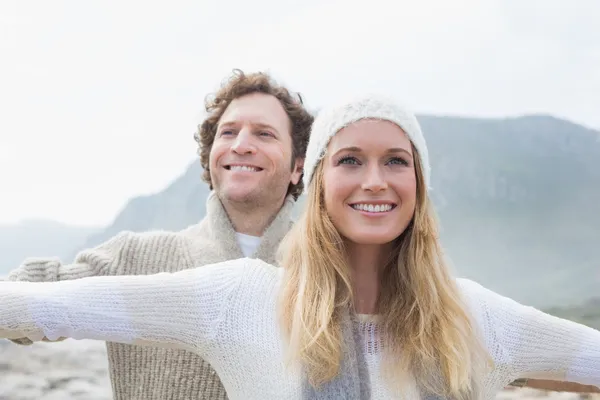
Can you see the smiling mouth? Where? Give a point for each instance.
(245, 168)
(374, 208)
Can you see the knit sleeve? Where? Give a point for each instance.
(98, 261)
(173, 310)
(533, 344)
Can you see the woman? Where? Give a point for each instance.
(364, 306)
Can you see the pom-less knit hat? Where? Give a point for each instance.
(330, 120)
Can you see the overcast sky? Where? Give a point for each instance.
(99, 99)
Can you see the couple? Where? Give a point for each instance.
(364, 305)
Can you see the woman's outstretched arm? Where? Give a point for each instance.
(177, 310)
(538, 345)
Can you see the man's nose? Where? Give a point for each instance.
(244, 143)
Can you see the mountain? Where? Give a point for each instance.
(587, 313)
(38, 238)
(179, 205)
(518, 201)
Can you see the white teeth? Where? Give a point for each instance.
(372, 208)
(242, 168)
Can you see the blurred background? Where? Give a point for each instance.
(99, 102)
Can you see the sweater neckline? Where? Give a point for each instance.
(368, 318)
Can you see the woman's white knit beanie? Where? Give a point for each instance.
(331, 119)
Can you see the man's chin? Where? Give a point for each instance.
(239, 195)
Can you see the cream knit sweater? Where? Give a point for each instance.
(226, 313)
(152, 373)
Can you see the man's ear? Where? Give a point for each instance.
(298, 170)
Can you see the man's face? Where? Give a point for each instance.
(251, 157)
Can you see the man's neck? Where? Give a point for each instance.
(251, 221)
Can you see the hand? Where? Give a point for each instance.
(28, 342)
(555, 386)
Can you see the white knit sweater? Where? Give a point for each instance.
(226, 313)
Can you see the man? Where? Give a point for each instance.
(252, 147)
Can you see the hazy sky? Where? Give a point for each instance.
(99, 99)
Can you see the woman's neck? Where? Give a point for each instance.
(367, 263)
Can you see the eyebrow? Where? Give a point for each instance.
(255, 124)
(389, 151)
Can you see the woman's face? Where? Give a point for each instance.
(369, 182)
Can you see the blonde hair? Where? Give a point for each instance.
(426, 330)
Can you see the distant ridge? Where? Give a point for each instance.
(518, 199)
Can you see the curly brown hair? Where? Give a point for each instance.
(241, 84)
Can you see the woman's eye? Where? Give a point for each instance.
(398, 160)
(348, 160)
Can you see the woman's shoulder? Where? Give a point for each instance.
(478, 298)
(489, 307)
(478, 293)
(469, 286)
(242, 267)
(260, 266)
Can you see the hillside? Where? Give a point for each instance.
(518, 199)
(519, 202)
(587, 313)
(38, 238)
(179, 205)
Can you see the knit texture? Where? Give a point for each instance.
(332, 119)
(149, 373)
(227, 313)
(353, 381)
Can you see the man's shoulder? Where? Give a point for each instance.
(148, 252)
(162, 235)
(155, 236)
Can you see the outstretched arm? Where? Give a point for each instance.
(540, 346)
(179, 310)
(97, 261)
